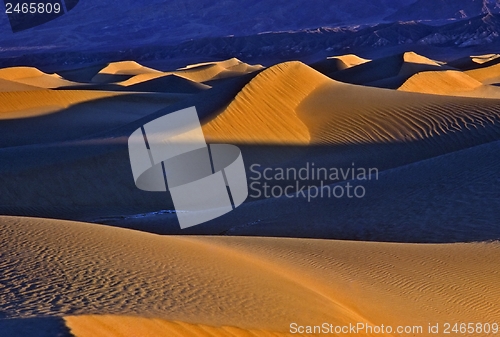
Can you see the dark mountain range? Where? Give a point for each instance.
(445, 9)
(112, 24)
(479, 32)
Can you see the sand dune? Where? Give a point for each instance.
(474, 62)
(11, 86)
(164, 83)
(132, 73)
(350, 60)
(204, 72)
(486, 74)
(34, 77)
(449, 82)
(440, 82)
(265, 110)
(116, 71)
(243, 283)
(292, 104)
(387, 71)
(336, 63)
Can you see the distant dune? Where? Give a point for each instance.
(387, 72)
(449, 82)
(488, 74)
(238, 283)
(204, 72)
(33, 77)
(337, 63)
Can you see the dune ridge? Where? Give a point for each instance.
(291, 103)
(265, 109)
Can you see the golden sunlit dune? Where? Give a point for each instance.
(440, 82)
(34, 77)
(486, 75)
(293, 104)
(118, 71)
(449, 82)
(203, 72)
(127, 68)
(11, 86)
(350, 60)
(65, 155)
(230, 284)
(265, 110)
(336, 63)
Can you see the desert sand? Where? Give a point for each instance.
(235, 285)
(430, 128)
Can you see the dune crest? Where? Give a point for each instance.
(265, 110)
(34, 77)
(291, 103)
(350, 60)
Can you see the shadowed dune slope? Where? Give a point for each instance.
(168, 83)
(74, 268)
(23, 104)
(474, 62)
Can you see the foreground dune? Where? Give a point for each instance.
(59, 268)
(126, 326)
